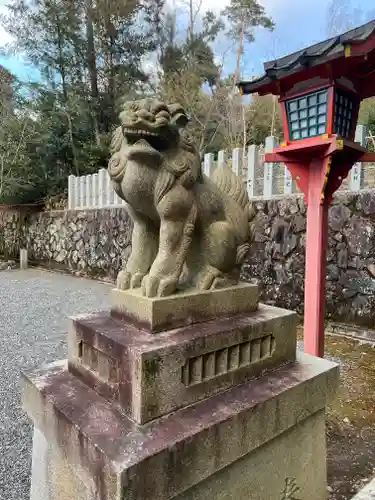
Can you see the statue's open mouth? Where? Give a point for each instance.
(136, 132)
(155, 140)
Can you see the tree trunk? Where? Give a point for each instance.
(239, 51)
(61, 65)
(64, 88)
(111, 65)
(71, 137)
(93, 71)
(235, 80)
(1, 175)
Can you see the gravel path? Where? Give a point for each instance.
(34, 308)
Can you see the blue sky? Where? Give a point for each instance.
(299, 23)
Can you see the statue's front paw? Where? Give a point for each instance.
(153, 286)
(123, 280)
(126, 280)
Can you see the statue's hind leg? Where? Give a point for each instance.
(219, 247)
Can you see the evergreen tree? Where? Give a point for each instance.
(93, 54)
(89, 54)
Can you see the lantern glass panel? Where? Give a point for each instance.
(322, 129)
(307, 115)
(344, 104)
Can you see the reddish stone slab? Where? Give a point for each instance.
(151, 375)
(165, 457)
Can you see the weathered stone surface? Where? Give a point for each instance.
(276, 420)
(298, 223)
(338, 216)
(183, 308)
(187, 227)
(151, 375)
(342, 256)
(39, 472)
(359, 235)
(366, 202)
(299, 451)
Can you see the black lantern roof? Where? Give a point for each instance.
(309, 58)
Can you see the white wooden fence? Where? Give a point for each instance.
(262, 179)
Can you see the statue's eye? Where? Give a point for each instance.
(134, 107)
(159, 107)
(163, 114)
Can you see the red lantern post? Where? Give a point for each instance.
(320, 89)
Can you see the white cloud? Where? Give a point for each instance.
(4, 36)
(215, 4)
(220, 4)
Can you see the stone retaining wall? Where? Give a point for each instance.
(277, 258)
(12, 229)
(96, 241)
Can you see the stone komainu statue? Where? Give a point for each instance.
(189, 230)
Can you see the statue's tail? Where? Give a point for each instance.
(243, 249)
(233, 186)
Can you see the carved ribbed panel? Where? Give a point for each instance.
(213, 364)
(104, 366)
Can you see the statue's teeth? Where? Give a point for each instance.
(128, 130)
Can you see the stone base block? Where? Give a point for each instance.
(152, 375)
(254, 441)
(183, 308)
(52, 476)
(291, 466)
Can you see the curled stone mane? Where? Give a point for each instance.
(117, 162)
(184, 163)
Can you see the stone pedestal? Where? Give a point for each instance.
(212, 407)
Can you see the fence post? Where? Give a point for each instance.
(356, 173)
(237, 156)
(117, 200)
(271, 143)
(221, 159)
(77, 201)
(82, 191)
(89, 191)
(252, 167)
(110, 190)
(101, 187)
(71, 192)
(95, 181)
(23, 258)
(288, 181)
(208, 166)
